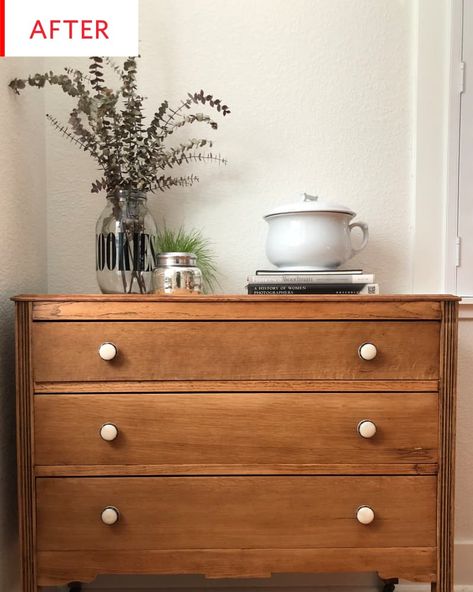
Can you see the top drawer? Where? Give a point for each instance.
(235, 350)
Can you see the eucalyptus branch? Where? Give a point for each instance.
(174, 112)
(183, 153)
(86, 137)
(163, 182)
(67, 84)
(185, 119)
(199, 157)
(110, 125)
(99, 185)
(66, 132)
(77, 75)
(155, 128)
(202, 98)
(96, 75)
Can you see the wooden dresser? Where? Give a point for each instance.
(236, 436)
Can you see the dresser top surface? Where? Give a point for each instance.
(57, 307)
(233, 298)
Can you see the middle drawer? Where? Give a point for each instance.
(235, 428)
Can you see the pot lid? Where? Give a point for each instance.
(310, 203)
(171, 259)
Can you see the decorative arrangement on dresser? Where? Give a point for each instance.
(193, 242)
(307, 242)
(134, 159)
(176, 273)
(312, 235)
(291, 434)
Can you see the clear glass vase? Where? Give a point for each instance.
(124, 247)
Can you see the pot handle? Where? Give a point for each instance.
(364, 229)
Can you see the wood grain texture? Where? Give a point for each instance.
(149, 307)
(246, 486)
(219, 298)
(234, 512)
(404, 468)
(59, 567)
(236, 429)
(446, 478)
(25, 454)
(235, 350)
(205, 386)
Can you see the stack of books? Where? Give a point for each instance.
(280, 281)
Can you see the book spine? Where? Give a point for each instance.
(306, 272)
(312, 289)
(366, 278)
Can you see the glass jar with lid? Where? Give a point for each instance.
(177, 274)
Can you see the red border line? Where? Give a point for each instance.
(2, 28)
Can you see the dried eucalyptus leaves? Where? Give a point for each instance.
(110, 125)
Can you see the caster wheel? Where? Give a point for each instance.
(75, 587)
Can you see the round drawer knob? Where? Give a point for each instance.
(108, 432)
(110, 515)
(107, 351)
(366, 428)
(365, 515)
(367, 351)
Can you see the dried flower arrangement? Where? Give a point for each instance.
(110, 125)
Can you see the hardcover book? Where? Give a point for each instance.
(312, 288)
(300, 278)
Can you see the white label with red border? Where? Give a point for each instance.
(69, 28)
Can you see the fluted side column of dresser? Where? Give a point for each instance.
(236, 436)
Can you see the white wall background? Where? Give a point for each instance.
(321, 99)
(336, 97)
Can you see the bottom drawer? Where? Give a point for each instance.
(235, 512)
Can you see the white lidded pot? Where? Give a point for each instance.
(312, 235)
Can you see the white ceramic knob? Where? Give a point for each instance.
(108, 432)
(366, 428)
(365, 515)
(107, 351)
(110, 515)
(367, 351)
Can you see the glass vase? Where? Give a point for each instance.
(124, 247)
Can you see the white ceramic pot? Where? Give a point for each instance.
(312, 235)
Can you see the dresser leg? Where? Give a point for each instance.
(75, 587)
(389, 585)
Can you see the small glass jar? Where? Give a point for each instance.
(177, 274)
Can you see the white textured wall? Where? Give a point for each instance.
(23, 269)
(320, 99)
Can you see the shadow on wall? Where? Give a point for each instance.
(23, 248)
(8, 513)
